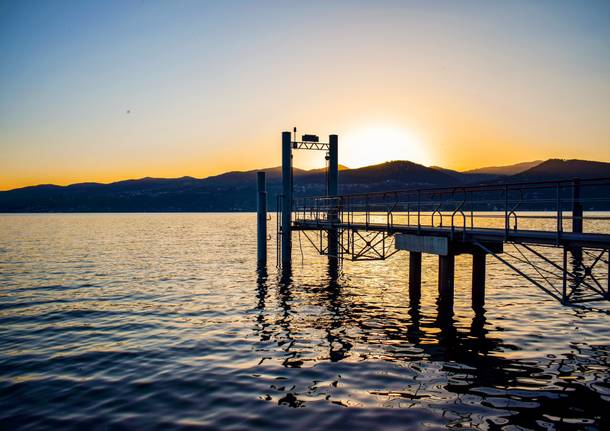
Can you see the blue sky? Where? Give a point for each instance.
(100, 91)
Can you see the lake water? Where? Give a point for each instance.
(146, 321)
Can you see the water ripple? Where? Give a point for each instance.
(145, 321)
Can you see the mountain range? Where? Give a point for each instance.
(236, 191)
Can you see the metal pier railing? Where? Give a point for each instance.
(547, 206)
(569, 214)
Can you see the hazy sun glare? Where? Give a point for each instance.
(169, 89)
(377, 144)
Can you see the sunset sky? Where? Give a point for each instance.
(103, 91)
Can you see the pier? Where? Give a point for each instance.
(551, 233)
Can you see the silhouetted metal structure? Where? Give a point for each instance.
(538, 229)
(286, 199)
(261, 221)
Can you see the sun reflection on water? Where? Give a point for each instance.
(175, 324)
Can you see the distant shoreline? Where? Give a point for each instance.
(254, 212)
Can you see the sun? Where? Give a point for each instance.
(381, 143)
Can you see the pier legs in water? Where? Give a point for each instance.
(446, 277)
(446, 269)
(414, 276)
(478, 280)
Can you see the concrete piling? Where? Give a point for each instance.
(414, 275)
(446, 251)
(478, 279)
(446, 269)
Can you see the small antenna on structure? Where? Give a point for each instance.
(294, 129)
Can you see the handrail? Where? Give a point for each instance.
(458, 210)
(436, 210)
(480, 187)
(516, 201)
(514, 208)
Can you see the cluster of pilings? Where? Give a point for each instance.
(288, 145)
(416, 245)
(446, 250)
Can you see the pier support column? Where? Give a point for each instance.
(478, 280)
(414, 276)
(608, 281)
(577, 212)
(261, 220)
(577, 223)
(333, 180)
(446, 269)
(286, 200)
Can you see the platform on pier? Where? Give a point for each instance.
(441, 245)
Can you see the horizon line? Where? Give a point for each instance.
(437, 167)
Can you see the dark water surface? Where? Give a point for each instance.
(160, 321)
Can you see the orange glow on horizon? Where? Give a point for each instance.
(375, 144)
(444, 85)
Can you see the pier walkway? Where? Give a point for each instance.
(531, 218)
(555, 234)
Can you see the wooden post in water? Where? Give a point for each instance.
(478, 279)
(261, 219)
(414, 275)
(446, 269)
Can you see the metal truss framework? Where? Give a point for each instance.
(554, 235)
(578, 277)
(306, 145)
(355, 245)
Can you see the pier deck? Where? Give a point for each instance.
(479, 234)
(555, 234)
(497, 219)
